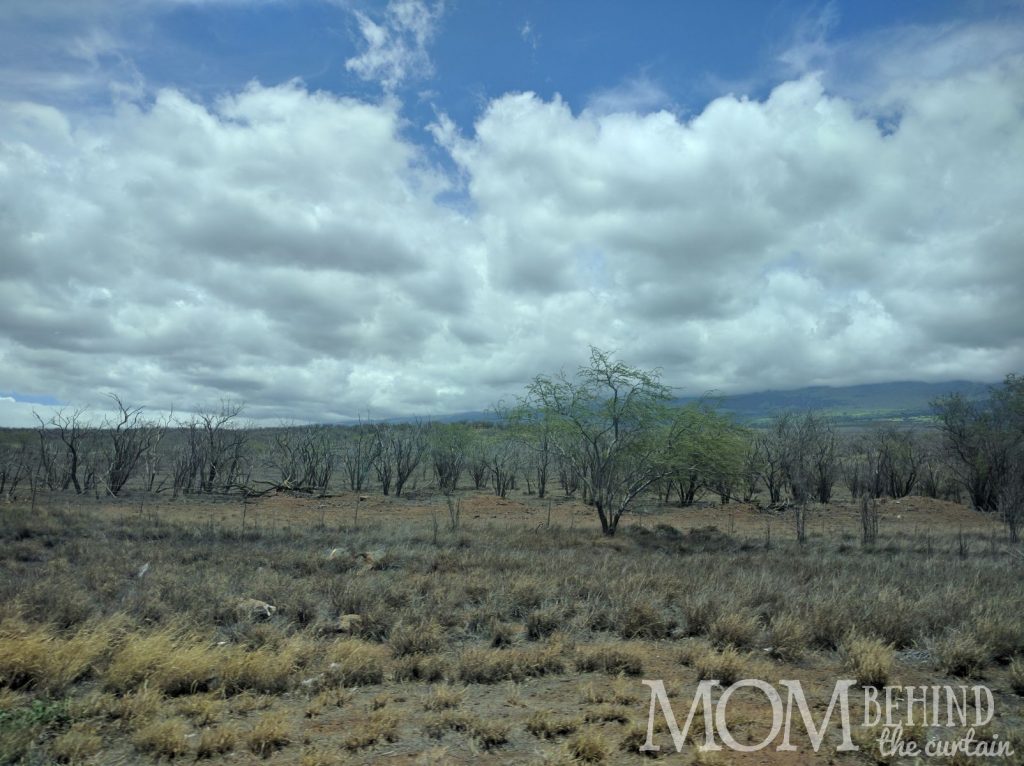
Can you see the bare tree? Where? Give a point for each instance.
(15, 466)
(400, 451)
(128, 438)
(359, 453)
(71, 430)
(448, 455)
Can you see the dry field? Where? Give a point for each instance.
(520, 636)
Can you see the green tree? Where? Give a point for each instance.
(610, 422)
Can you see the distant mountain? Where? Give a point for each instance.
(906, 400)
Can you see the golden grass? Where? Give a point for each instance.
(610, 659)
(214, 741)
(270, 733)
(166, 738)
(868, 659)
(547, 724)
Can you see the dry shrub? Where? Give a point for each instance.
(605, 713)
(635, 737)
(541, 623)
(700, 611)
(437, 725)
(32, 657)
(419, 638)
(268, 735)
(489, 666)
(215, 741)
(381, 726)
(501, 633)
(354, 662)
(726, 666)
(167, 738)
(420, 667)
(547, 724)
(1016, 671)
(644, 620)
(313, 756)
(264, 670)
(488, 734)
(610, 659)
(201, 710)
(1002, 632)
(443, 697)
(960, 653)
(589, 746)
(326, 699)
(141, 705)
(76, 745)
(868, 659)
(739, 629)
(169, 660)
(790, 637)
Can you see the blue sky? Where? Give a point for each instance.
(327, 207)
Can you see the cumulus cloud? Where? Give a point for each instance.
(396, 47)
(293, 248)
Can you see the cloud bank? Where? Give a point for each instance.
(298, 250)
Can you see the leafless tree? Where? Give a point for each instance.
(128, 438)
(15, 466)
(359, 451)
(71, 430)
(448, 455)
(400, 451)
(303, 457)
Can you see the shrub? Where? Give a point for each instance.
(868, 659)
(547, 724)
(420, 638)
(355, 662)
(727, 665)
(644, 620)
(268, 735)
(960, 653)
(739, 629)
(166, 738)
(381, 726)
(541, 623)
(610, 659)
(216, 741)
(589, 746)
(76, 745)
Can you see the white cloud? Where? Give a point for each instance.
(396, 48)
(288, 247)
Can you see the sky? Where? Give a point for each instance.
(339, 208)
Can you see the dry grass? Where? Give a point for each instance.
(166, 738)
(960, 653)
(77, 745)
(216, 741)
(868, 659)
(443, 697)
(610, 659)
(726, 666)
(1016, 674)
(270, 734)
(738, 629)
(547, 724)
(380, 726)
(511, 614)
(589, 746)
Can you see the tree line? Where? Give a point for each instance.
(608, 434)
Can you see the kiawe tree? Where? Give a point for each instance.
(611, 423)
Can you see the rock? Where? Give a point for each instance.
(349, 623)
(363, 498)
(254, 609)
